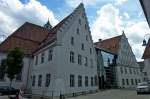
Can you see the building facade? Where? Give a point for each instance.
(146, 57)
(106, 62)
(66, 61)
(58, 60)
(127, 69)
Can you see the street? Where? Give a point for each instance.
(110, 94)
(114, 94)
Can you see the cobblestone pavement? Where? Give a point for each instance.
(114, 94)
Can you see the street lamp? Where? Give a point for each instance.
(144, 41)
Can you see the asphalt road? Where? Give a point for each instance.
(114, 94)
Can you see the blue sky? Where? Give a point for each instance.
(107, 18)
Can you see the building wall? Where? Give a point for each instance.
(60, 67)
(147, 68)
(127, 66)
(74, 68)
(15, 83)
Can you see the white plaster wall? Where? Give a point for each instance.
(17, 84)
(65, 67)
(126, 59)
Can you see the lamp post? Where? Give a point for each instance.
(144, 41)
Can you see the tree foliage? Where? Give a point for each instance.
(14, 63)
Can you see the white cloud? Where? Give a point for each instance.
(120, 2)
(13, 13)
(126, 15)
(74, 3)
(107, 24)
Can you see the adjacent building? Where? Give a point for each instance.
(28, 38)
(146, 57)
(106, 62)
(127, 69)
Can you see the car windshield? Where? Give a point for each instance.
(143, 84)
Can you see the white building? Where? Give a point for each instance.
(58, 60)
(66, 61)
(127, 69)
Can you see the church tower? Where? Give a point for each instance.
(48, 25)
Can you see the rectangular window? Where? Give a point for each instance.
(86, 61)
(33, 80)
(36, 60)
(127, 81)
(125, 69)
(72, 40)
(96, 81)
(80, 21)
(90, 50)
(86, 38)
(132, 81)
(79, 81)
(72, 57)
(91, 63)
(48, 78)
(121, 70)
(136, 81)
(130, 70)
(82, 46)
(40, 81)
(72, 81)
(78, 31)
(50, 54)
(123, 82)
(42, 57)
(86, 81)
(79, 59)
(92, 81)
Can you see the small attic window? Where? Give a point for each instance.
(85, 26)
(77, 30)
(86, 38)
(83, 15)
(80, 21)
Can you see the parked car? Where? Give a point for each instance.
(6, 90)
(143, 87)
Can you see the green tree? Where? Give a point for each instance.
(3, 68)
(14, 63)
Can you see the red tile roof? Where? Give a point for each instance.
(146, 54)
(111, 44)
(28, 37)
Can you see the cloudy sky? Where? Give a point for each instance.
(107, 18)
